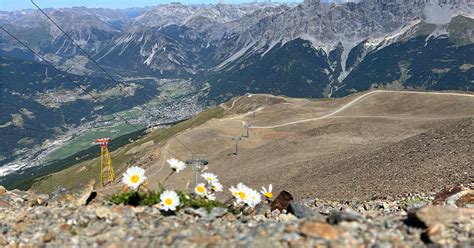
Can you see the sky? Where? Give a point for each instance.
(9, 5)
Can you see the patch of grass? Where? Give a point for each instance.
(199, 202)
(87, 140)
(138, 198)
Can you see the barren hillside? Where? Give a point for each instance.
(367, 144)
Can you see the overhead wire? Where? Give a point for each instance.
(77, 84)
(147, 111)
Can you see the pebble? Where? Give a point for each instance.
(50, 220)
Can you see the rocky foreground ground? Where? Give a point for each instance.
(412, 220)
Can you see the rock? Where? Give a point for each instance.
(336, 217)
(83, 196)
(206, 215)
(4, 204)
(441, 197)
(461, 199)
(259, 217)
(435, 233)
(48, 237)
(2, 190)
(444, 215)
(319, 230)
(282, 201)
(200, 212)
(275, 213)
(95, 228)
(42, 199)
(301, 210)
(230, 217)
(466, 200)
(64, 224)
(217, 212)
(286, 217)
(103, 213)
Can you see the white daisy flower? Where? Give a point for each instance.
(169, 200)
(200, 189)
(209, 177)
(216, 186)
(243, 193)
(176, 165)
(134, 177)
(253, 199)
(211, 196)
(234, 191)
(267, 193)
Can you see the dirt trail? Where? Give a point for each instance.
(355, 101)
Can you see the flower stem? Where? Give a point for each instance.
(166, 179)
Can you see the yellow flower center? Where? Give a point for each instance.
(269, 195)
(168, 201)
(200, 189)
(209, 179)
(242, 195)
(135, 179)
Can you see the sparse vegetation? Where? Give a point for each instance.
(137, 198)
(77, 175)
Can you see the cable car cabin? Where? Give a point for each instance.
(103, 141)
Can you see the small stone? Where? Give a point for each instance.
(282, 201)
(65, 227)
(218, 212)
(466, 200)
(139, 209)
(319, 230)
(259, 217)
(48, 237)
(230, 217)
(83, 196)
(287, 217)
(291, 229)
(434, 231)
(200, 212)
(300, 210)
(441, 197)
(2, 190)
(3, 240)
(103, 213)
(336, 217)
(42, 199)
(4, 204)
(445, 215)
(95, 228)
(275, 213)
